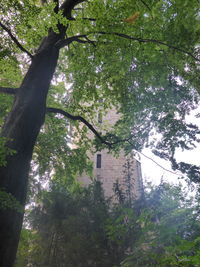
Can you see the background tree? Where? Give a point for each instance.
(169, 233)
(68, 227)
(126, 52)
(78, 226)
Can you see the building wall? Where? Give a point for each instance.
(114, 168)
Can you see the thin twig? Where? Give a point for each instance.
(156, 162)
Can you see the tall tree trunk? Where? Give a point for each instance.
(21, 128)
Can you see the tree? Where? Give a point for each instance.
(126, 52)
(169, 233)
(79, 227)
(68, 227)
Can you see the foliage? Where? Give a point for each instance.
(59, 154)
(27, 246)
(8, 201)
(4, 151)
(70, 226)
(140, 57)
(169, 230)
(78, 227)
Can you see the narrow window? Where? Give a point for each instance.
(98, 163)
(99, 118)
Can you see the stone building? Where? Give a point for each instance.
(109, 169)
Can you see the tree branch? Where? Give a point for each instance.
(167, 170)
(90, 19)
(16, 41)
(12, 91)
(98, 135)
(79, 118)
(140, 40)
(145, 4)
(77, 38)
(56, 9)
(68, 6)
(74, 118)
(8, 90)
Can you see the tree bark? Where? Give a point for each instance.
(21, 130)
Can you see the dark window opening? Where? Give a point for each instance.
(99, 118)
(98, 163)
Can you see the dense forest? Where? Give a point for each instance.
(59, 59)
(80, 227)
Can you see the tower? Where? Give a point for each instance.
(109, 169)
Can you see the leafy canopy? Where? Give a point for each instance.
(141, 57)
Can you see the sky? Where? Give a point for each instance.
(152, 172)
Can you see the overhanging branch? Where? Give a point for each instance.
(12, 91)
(141, 40)
(15, 40)
(109, 144)
(78, 118)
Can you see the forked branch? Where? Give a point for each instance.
(78, 38)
